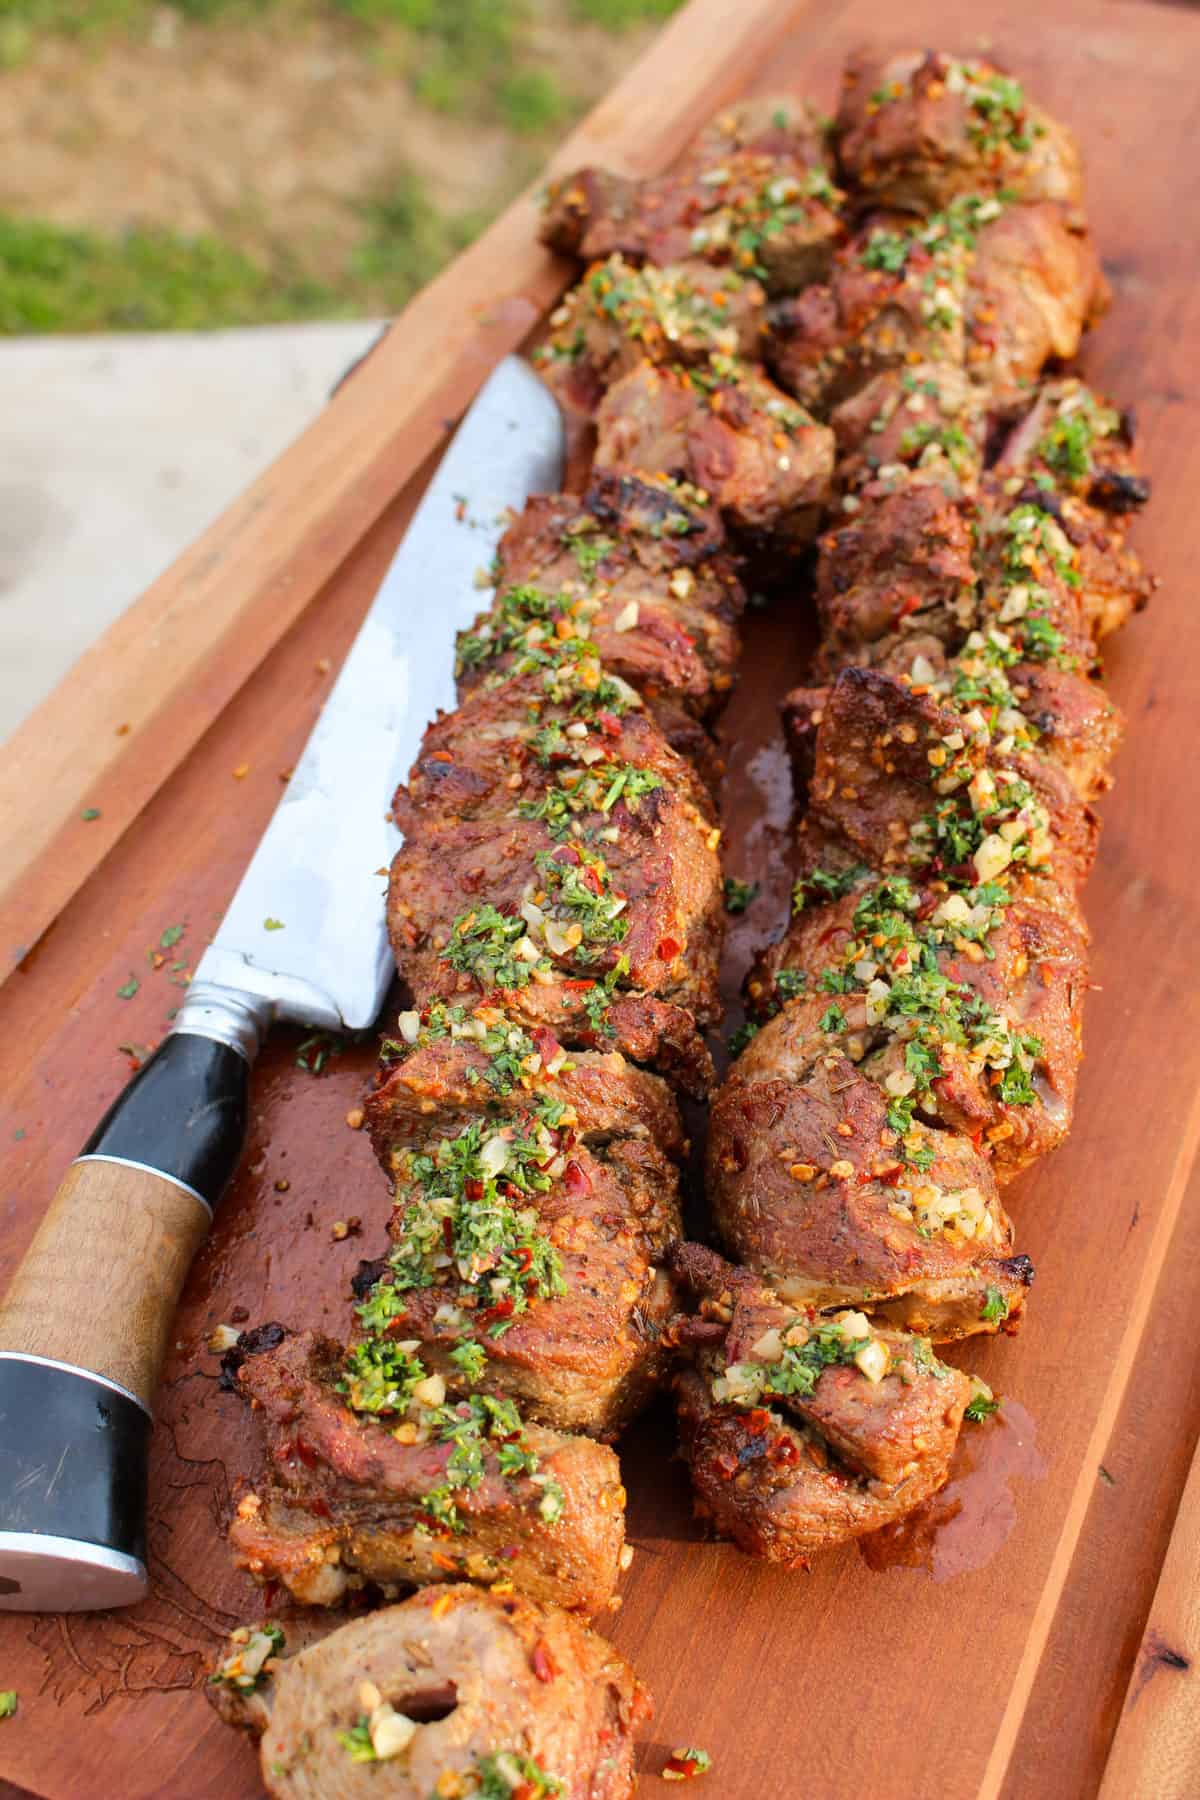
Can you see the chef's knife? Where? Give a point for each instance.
(85, 1324)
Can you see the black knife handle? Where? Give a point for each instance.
(85, 1325)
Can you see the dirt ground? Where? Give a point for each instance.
(271, 138)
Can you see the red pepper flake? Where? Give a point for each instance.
(783, 1453)
(669, 948)
(757, 1420)
(546, 1044)
(540, 1661)
(576, 1180)
(685, 1764)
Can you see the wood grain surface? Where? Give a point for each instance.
(1156, 1751)
(992, 1651)
(124, 1237)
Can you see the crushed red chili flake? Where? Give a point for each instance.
(686, 1763)
(541, 1662)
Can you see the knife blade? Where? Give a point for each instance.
(86, 1321)
(305, 929)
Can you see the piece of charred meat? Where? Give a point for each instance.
(803, 1431)
(751, 194)
(527, 1248)
(727, 430)
(374, 1477)
(987, 287)
(619, 315)
(558, 852)
(917, 128)
(645, 568)
(454, 1691)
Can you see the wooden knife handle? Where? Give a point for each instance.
(100, 1284)
(101, 1281)
(85, 1326)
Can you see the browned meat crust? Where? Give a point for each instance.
(619, 315)
(488, 1683)
(916, 128)
(647, 564)
(752, 193)
(761, 457)
(345, 1503)
(789, 1457)
(494, 891)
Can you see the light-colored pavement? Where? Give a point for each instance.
(115, 452)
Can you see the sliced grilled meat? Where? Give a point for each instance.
(539, 869)
(1034, 288)
(803, 1432)
(927, 417)
(752, 193)
(452, 1685)
(644, 563)
(985, 286)
(451, 1066)
(765, 463)
(1072, 457)
(916, 128)
(817, 1191)
(968, 1002)
(347, 1501)
(901, 565)
(888, 784)
(895, 299)
(538, 1248)
(619, 314)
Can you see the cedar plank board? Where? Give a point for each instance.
(1094, 1645)
(797, 1684)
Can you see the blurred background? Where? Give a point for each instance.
(207, 208)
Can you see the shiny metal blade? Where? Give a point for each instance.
(306, 929)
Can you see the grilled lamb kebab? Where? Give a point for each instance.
(915, 129)
(920, 1019)
(985, 285)
(455, 1693)
(374, 1476)
(802, 1428)
(752, 194)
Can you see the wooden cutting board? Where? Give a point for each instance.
(987, 1651)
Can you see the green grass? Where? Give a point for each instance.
(472, 58)
(53, 279)
(619, 15)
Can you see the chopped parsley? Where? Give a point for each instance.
(980, 1407)
(357, 1742)
(482, 944)
(507, 1773)
(802, 1365)
(995, 1306)
(579, 791)
(821, 885)
(383, 1380)
(463, 1219)
(739, 894)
